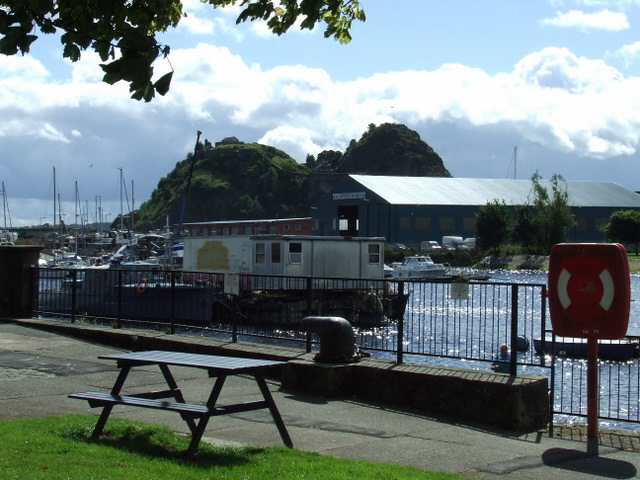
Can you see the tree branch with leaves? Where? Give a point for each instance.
(123, 32)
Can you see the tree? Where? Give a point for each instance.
(311, 161)
(493, 222)
(330, 159)
(524, 232)
(552, 217)
(123, 32)
(623, 227)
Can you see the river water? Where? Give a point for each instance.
(521, 276)
(619, 382)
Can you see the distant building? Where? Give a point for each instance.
(280, 226)
(410, 210)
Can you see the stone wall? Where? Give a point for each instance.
(494, 399)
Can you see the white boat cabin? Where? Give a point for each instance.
(289, 255)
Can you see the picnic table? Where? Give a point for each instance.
(196, 415)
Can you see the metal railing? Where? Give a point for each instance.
(461, 323)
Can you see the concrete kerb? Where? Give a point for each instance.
(519, 404)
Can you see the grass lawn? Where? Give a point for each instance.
(60, 448)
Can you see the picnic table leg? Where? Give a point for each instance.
(106, 411)
(177, 394)
(196, 434)
(266, 393)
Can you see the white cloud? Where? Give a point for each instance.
(628, 53)
(602, 20)
(203, 19)
(296, 141)
(49, 132)
(553, 99)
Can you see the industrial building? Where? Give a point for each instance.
(410, 210)
(274, 226)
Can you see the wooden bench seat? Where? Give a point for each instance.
(97, 399)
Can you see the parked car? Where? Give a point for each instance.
(430, 246)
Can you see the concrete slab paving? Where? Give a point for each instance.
(39, 369)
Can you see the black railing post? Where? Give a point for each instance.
(400, 346)
(235, 302)
(309, 295)
(74, 299)
(120, 288)
(172, 326)
(543, 338)
(513, 370)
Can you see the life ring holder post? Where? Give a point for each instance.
(589, 297)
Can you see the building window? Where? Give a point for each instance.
(259, 252)
(298, 227)
(581, 224)
(469, 224)
(295, 253)
(285, 227)
(374, 254)
(446, 224)
(275, 253)
(423, 224)
(405, 224)
(343, 224)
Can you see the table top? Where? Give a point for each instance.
(212, 362)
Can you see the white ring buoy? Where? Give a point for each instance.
(563, 295)
(607, 289)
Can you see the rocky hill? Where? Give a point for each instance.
(237, 180)
(392, 149)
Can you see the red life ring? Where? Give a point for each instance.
(589, 290)
(142, 285)
(585, 289)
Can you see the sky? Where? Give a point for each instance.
(498, 88)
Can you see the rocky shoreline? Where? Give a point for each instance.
(516, 262)
(531, 262)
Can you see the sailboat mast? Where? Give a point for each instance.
(4, 205)
(121, 206)
(133, 207)
(55, 206)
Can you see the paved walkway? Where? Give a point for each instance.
(38, 369)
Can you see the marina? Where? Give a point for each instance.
(446, 323)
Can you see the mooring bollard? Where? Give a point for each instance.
(337, 338)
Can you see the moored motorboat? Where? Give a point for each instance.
(418, 267)
(623, 349)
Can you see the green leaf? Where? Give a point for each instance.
(72, 52)
(163, 83)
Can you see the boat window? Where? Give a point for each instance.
(259, 252)
(295, 252)
(374, 253)
(275, 253)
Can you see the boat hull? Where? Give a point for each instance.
(607, 349)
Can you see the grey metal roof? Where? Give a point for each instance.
(480, 191)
